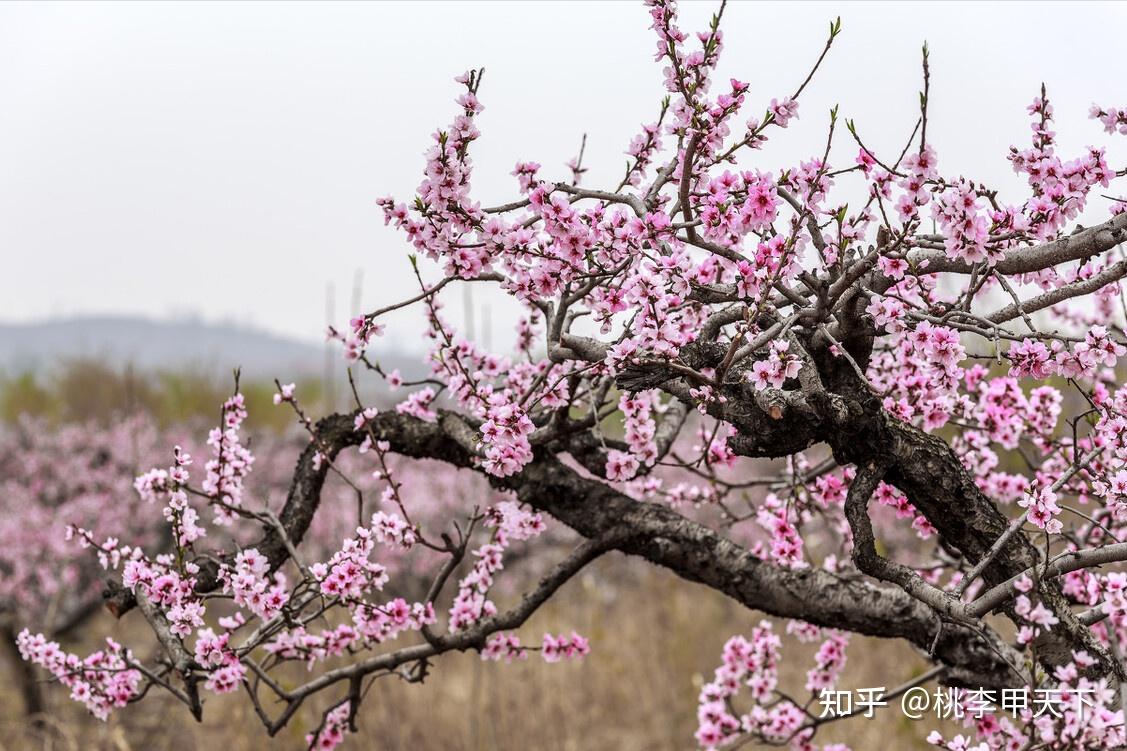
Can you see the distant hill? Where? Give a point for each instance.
(156, 344)
(195, 345)
(152, 344)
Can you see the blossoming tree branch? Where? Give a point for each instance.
(895, 416)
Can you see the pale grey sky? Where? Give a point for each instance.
(223, 159)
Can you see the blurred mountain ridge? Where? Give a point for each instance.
(183, 343)
(149, 343)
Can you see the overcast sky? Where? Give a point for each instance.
(222, 159)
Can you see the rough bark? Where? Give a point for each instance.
(840, 411)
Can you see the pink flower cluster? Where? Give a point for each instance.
(774, 719)
(1043, 509)
(332, 731)
(1060, 189)
(510, 523)
(1113, 118)
(253, 587)
(507, 647)
(165, 586)
(735, 204)
(745, 662)
(774, 516)
(920, 373)
(230, 463)
(829, 662)
(958, 210)
(102, 681)
(505, 435)
(503, 646)
(1033, 358)
(556, 648)
(781, 364)
(350, 573)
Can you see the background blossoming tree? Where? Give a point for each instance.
(76, 475)
(788, 346)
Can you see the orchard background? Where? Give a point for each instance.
(640, 696)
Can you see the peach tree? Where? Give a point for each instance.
(828, 353)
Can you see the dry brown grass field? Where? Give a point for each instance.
(654, 639)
